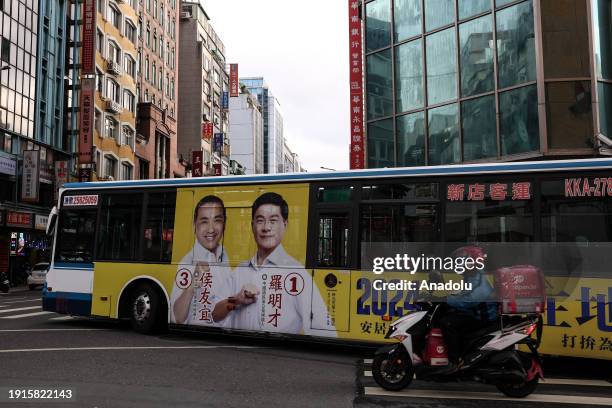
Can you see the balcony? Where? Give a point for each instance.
(112, 67)
(112, 106)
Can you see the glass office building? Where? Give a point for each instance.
(452, 81)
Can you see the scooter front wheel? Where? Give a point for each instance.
(392, 372)
(519, 390)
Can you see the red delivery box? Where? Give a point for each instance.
(520, 289)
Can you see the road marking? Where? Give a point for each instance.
(367, 361)
(4, 304)
(575, 381)
(44, 330)
(62, 318)
(128, 348)
(437, 394)
(19, 309)
(20, 316)
(553, 381)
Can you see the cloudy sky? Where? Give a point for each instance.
(301, 49)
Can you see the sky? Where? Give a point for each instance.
(301, 50)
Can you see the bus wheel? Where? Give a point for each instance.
(146, 314)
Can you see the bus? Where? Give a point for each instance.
(283, 253)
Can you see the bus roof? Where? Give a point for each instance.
(449, 170)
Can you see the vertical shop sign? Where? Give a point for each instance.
(207, 130)
(196, 163)
(357, 153)
(86, 121)
(218, 143)
(225, 101)
(234, 80)
(88, 55)
(30, 177)
(61, 176)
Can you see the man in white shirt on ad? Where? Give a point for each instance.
(272, 290)
(203, 276)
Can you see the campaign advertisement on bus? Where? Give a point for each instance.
(240, 264)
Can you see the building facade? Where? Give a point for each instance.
(157, 79)
(273, 124)
(291, 161)
(452, 81)
(204, 90)
(246, 122)
(32, 43)
(115, 114)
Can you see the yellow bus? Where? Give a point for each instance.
(282, 253)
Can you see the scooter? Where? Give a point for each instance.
(4, 283)
(489, 355)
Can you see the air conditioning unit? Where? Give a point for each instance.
(113, 67)
(185, 15)
(112, 106)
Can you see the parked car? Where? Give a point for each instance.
(38, 275)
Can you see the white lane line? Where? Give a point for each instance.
(575, 381)
(45, 330)
(19, 309)
(62, 318)
(21, 316)
(437, 394)
(5, 304)
(128, 348)
(554, 381)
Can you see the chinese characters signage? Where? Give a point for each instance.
(88, 56)
(81, 200)
(7, 165)
(196, 163)
(40, 222)
(218, 143)
(18, 219)
(356, 91)
(234, 80)
(217, 169)
(61, 175)
(491, 191)
(87, 121)
(225, 101)
(31, 172)
(586, 187)
(207, 130)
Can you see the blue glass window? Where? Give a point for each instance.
(378, 24)
(411, 140)
(409, 76)
(444, 143)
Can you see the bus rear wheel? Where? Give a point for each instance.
(146, 310)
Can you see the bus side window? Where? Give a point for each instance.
(75, 236)
(333, 239)
(158, 231)
(120, 217)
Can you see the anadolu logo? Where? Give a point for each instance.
(440, 349)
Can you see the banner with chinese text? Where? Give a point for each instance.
(357, 154)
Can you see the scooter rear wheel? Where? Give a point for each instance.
(392, 372)
(519, 390)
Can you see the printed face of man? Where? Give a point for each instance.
(268, 227)
(209, 225)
